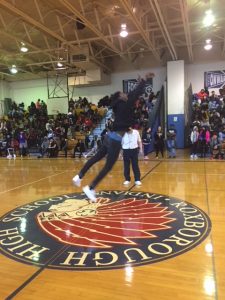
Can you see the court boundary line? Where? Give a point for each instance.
(211, 238)
(23, 185)
(31, 278)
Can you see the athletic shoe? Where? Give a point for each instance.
(77, 180)
(90, 193)
(126, 182)
(138, 182)
(196, 156)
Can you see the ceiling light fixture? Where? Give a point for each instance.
(23, 47)
(208, 45)
(13, 69)
(59, 64)
(123, 32)
(209, 18)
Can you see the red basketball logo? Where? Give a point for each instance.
(121, 228)
(105, 223)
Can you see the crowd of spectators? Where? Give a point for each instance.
(24, 129)
(208, 125)
(27, 129)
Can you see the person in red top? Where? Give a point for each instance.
(202, 94)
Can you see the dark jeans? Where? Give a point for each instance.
(111, 148)
(131, 156)
(146, 149)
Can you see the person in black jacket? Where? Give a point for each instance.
(159, 142)
(146, 139)
(123, 107)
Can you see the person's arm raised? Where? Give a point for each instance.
(139, 90)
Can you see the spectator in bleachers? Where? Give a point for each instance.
(80, 148)
(215, 146)
(159, 142)
(38, 104)
(221, 134)
(204, 140)
(22, 139)
(104, 102)
(171, 141)
(64, 145)
(52, 149)
(202, 94)
(44, 146)
(146, 140)
(49, 125)
(194, 142)
(31, 137)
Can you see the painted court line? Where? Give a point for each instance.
(20, 186)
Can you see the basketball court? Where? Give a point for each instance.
(168, 244)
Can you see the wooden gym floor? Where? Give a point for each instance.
(198, 274)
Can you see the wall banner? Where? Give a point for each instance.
(130, 84)
(214, 79)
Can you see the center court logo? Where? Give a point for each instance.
(122, 228)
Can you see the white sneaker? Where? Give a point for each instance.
(90, 193)
(76, 180)
(138, 182)
(191, 156)
(196, 156)
(126, 182)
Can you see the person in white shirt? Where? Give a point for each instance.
(131, 145)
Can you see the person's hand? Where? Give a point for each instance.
(139, 79)
(141, 152)
(149, 75)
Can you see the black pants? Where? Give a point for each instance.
(203, 148)
(111, 148)
(194, 148)
(159, 147)
(131, 156)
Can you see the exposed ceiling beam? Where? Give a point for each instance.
(161, 22)
(30, 20)
(42, 28)
(87, 23)
(30, 45)
(140, 28)
(187, 32)
(39, 11)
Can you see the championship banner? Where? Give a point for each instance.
(214, 79)
(130, 84)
